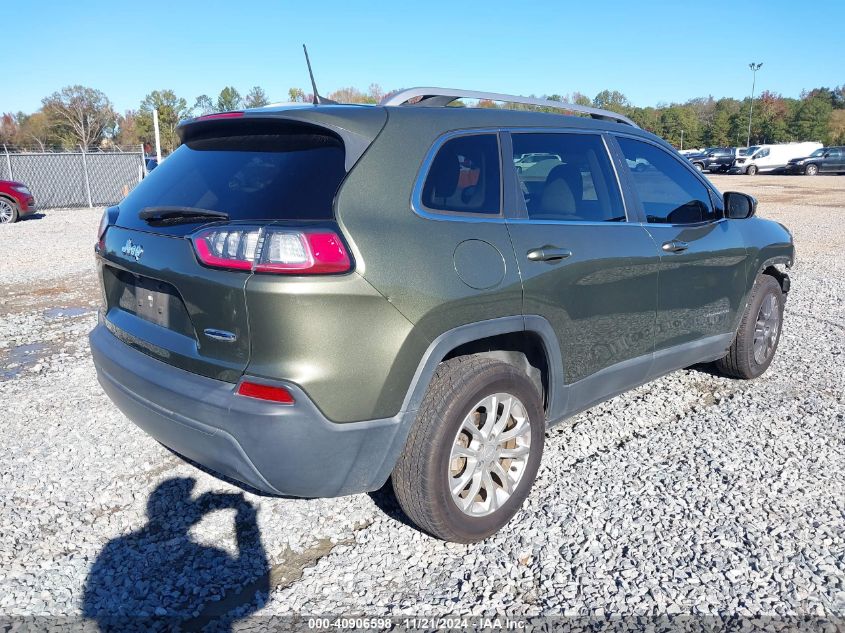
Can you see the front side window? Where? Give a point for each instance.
(571, 178)
(668, 191)
(464, 176)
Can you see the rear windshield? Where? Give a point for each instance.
(278, 176)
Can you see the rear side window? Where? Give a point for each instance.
(571, 179)
(278, 176)
(464, 176)
(668, 191)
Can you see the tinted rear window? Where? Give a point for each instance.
(278, 176)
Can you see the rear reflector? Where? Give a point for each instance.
(265, 392)
(272, 250)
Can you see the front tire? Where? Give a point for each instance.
(751, 170)
(811, 170)
(473, 452)
(758, 334)
(698, 166)
(8, 211)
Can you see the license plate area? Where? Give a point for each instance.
(149, 299)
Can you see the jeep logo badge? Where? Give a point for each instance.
(130, 249)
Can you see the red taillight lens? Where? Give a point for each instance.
(101, 231)
(265, 392)
(220, 115)
(272, 250)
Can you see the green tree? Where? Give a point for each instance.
(677, 121)
(228, 99)
(351, 95)
(203, 105)
(35, 129)
(612, 100)
(256, 98)
(127, 129)
(296, 95)
(771, 122)
(836, 127)
(80, 115)
(811, 119)
(646, 118)
(579, 98)
(718, 133)
(171, 110)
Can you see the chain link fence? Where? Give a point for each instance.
(74, 179)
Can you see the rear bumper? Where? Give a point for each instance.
(281, 449)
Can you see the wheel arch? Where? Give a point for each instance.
(527, 342)
(10, 198)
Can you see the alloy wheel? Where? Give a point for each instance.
(766, 329)
(6, 212)
(489, 454)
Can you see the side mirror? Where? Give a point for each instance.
(739, 206)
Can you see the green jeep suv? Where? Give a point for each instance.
(313, 300)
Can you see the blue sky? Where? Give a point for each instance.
(652, 51)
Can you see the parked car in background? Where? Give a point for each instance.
(16, 201)
(720, 159)
(276, 310)
(713, 159)
(827, 160)
(529, 160)
(772, 158)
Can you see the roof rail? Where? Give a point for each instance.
(439, 97)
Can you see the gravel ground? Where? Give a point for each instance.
(692, 495)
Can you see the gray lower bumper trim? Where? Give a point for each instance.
(290, 450)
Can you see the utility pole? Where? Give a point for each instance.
(754, 68)
(682, 139)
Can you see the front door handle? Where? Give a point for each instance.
(548, 253)
(675, 246)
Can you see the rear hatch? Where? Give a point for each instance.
(234, 176)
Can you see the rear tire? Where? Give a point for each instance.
(8, 211)
(751, 170)
(698, 166)
(811, 170)
(757, 337)
(449, 477)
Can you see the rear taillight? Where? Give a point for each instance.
(265, 392)
(272, 250)
(101, 232)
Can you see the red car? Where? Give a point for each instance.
(16, 201)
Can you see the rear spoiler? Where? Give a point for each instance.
(356, 127)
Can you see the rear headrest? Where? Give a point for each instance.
(571, 175)
(443, 176)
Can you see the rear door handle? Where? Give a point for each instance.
(548, 253)
(675, 246)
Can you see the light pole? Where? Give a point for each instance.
(754, 68)
(682, 139)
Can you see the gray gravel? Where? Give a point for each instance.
(692, 495)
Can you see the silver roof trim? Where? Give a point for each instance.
(443, 96)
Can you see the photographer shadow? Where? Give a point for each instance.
(158, 578)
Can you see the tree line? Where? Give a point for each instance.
(81, 116)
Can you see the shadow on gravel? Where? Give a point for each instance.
(157, 578)
(385, 500)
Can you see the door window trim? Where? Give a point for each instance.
(632, 192)
(462, 216)
(509, 211)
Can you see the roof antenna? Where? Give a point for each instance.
(317, 98)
